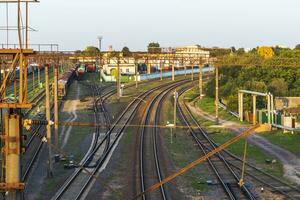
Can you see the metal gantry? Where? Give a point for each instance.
(12, 134)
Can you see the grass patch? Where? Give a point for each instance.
(254, 154)
(195, 179)
(285, 140)
(77, 135)
(207, 104)
(53, 184)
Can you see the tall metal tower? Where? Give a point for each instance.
(11, 135)
(100, 42)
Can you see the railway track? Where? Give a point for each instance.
(78, 183)
(226, 175)
(150, 170)
(80, 180)
(234, 163)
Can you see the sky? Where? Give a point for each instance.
(75, 24)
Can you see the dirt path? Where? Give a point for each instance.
(290, 161)
(71, 106)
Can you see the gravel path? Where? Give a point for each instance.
(71, 106)
(290, 161)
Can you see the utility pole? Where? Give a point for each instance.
(50, 167)
(136, 73)
(192, 75)
(217, 94)
(182, 63)
(12, 135)
(12, 150)
(39, 73)
(33, 77)
(254, 109)
(118, 79)
(175, 107)
(56, 106)
(161, 70)
(26, 44)
(200, 80)
(100, 44)
(173, 73)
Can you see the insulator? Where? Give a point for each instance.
(39, 122)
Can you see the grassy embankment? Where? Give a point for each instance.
(78, 134)
(182, 152)
(255, 155)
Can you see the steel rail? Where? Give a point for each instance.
(157, 98)
(201, 145)
(262, 173)
(135, 103)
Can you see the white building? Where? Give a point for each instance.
(190, 50)
(126, 66)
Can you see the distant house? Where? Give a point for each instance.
(290, 109)
(196, 50)
(127, 67)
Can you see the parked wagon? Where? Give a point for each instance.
(64, 82)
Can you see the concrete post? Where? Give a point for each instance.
(33, 78)
(272, 109)
(50, 169)
(217, 95)
(39, 75)
(173, 72)
(175, 107)
(56, 106)
(242, 107)
(184, 68)
(148, 68)
(21, 76)
(239, 104)
(254, 109)
(269, 108)
(118, 80)
(192, 75)
(136, 74)
(200, 81)
(161, 71)
(12, 154)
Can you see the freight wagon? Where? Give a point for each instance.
(65, 81)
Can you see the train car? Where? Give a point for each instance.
(64, 82)
(80, 72)
(167, 68)
(91, 67)
(142, 68)
(153, 69)
(29, 71)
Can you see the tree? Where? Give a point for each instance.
(253, 50)
(266, 52)
(240, 51)
(126, 52)
(277, 50)
(278, 87)
(297, 46)
(154, 47)
(233, 49)
(91, 51)
(78, 52)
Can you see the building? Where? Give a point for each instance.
(127, 67)
(193, 50)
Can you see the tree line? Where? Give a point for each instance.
(265, 69)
